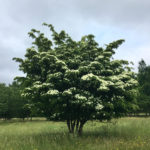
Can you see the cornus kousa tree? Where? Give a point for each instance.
(76, 81)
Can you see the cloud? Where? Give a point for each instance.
(108, 20)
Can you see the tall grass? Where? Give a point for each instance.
(123, 134)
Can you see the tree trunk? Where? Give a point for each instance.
(72, 126)
(69, 126)
(80, 129)
(75, 124)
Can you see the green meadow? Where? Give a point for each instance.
(121, 134)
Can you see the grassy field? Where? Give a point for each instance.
(122, 134)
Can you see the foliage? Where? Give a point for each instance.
(144, 87)
(12, 104)
(5, 104)
(76, 80)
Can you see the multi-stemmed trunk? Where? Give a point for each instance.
(75, 126)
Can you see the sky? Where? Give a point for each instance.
(108, 20)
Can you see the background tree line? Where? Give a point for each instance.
(143, 97)
(13, 105)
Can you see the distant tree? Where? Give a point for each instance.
(76, 81)
(12, 105)
(144, 86)
(23, 108)
(6, 103)
(141, 71)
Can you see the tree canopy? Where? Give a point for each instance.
(76, 80)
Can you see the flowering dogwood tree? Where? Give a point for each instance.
(76, 80)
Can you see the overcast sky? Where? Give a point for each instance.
(108, 20)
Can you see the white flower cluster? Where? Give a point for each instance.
(36, 56)
(124, 76)
(91, 98)
(48, 56)
(37, 85)
(131, 82)
(54, 75)
(89, 76)
(45, 58)
(109, 71)
(99, 107)
(25, 94)
(100, 57)
(116, 62)
(27, 89)
(80, 97)
(117, 70)
(89, 103)
(118, 98)
(67, 92)
(120, 85)
(31, 50)
(52, 57)
(107, 53)
(72, 71)
(43, 53)
(104, 86)
(118, 80)
(52, 92)
(83, 68)
(60, 62)
(45, 84)
(94, 63)
(114, 78)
